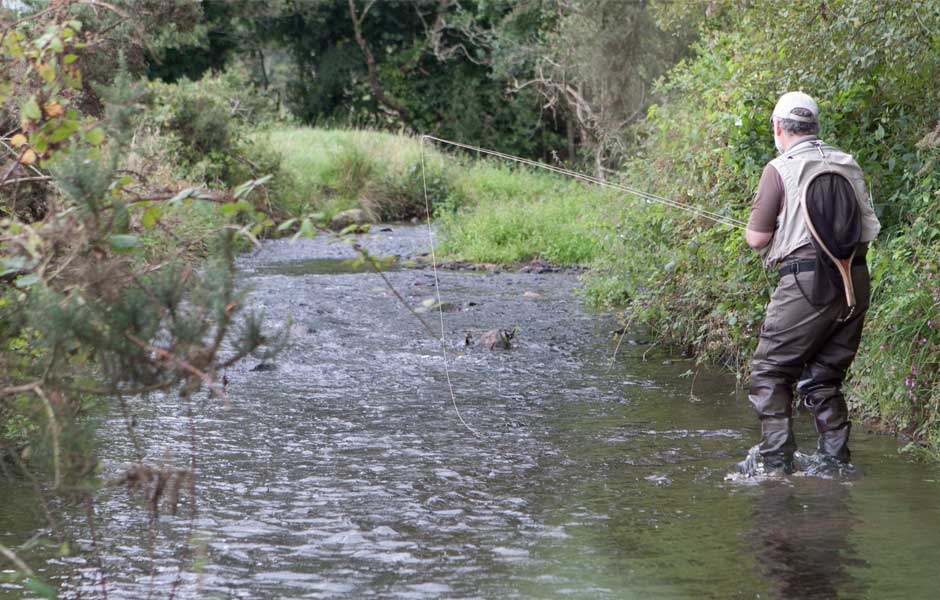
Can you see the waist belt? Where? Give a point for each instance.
(804, 266)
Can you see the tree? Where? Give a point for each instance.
(85, 314)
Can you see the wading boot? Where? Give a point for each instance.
(757, 464)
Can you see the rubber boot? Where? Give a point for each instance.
(777, 443)
(755, 464)
(831, 417)
(835, 443)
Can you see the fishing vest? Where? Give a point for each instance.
(797, 166)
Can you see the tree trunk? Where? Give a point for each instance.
(377, 90)
(569, 129)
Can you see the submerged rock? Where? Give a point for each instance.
(264, 366)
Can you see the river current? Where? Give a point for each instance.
(346, 471)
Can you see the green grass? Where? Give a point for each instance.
(338, 169)
(507, 215)
(488, 211)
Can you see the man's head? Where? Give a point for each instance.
(796, 115)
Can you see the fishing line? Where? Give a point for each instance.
(437, 288)
(649, 197)
(701, 212)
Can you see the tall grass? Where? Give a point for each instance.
(488, 211)
(339, 169)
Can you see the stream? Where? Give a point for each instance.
(346, 471)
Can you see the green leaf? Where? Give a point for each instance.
(40, 142)
(246, 188)
(228, 209)
(30, 110)
(123, 242)
(354, 228)
(95, 137)
(65, 130)
(69, 59)
(26, 281)
(47, 72)
(150, 216)
(119, 184)
(12, 265)
(306, 230)
(286, 224)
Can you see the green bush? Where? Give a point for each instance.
(206, 126)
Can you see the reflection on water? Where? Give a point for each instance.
(345, 473)
(801, 539)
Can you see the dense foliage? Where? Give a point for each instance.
(98, 299)
(872, 66)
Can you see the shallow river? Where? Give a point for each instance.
(346, 472)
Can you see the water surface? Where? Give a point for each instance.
(346, 472)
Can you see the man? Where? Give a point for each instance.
(810, 346)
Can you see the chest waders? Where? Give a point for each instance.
(814, 319)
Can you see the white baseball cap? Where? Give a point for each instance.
(792, 100)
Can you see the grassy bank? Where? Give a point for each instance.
(489, 211)
(334, 170)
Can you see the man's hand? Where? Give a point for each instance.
(757, 239)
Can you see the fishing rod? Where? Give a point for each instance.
(650, 197)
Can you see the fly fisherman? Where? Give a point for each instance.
(811, 220)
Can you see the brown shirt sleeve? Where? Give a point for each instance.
(767, 202)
